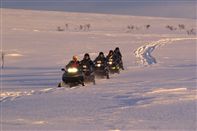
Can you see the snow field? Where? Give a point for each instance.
(157, 91)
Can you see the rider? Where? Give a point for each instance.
(119, 57)
(112, 56)
(101, 57)
(88, 62)
(74, 63)
(103, 60)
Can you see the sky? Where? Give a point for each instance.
(159, 8)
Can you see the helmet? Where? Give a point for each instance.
(101, 54)
(117, 48)
(86, 56)
(111, 52)
(75, 58)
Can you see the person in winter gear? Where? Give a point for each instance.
(88, 69)
(74, 63)
(111, 55)
(112, 61)
(102, 61)
(73, 74)
(118, 54)
(88, 62)
(101, 57)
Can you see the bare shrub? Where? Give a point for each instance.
(80, 27)
(66, 25)
(181, 26)
(171, 28)
(191, 32)
(88, 26)
(85, 27)
(130, 28)
(60, 28)
(2, 60)
(147, 26)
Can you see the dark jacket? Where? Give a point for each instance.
(118, 53)
(102, 59)
(118, 56)
(88, 62)
(113, 56)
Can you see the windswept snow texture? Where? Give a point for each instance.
(156, 91)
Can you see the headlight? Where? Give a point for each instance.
(98, 65)
(113, 68)
(72, 70)
(110, 62)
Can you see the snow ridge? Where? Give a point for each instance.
(143, 53)
(4, 96)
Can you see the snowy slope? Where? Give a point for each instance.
(157, 91)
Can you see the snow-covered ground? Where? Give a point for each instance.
(156, 91)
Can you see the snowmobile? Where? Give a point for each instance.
(113, 66)
(88, 74)
(72, 76)
(101, 70)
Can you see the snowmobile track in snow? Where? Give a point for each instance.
(16, 94)
(12, 95)
(143, 53)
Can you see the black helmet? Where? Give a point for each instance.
(86, 56)
(111, 52)
(117, 48)
(101, 53)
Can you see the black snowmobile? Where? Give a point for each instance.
(72, 76)
(101, 70)
(88, 74)
(113, 66)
